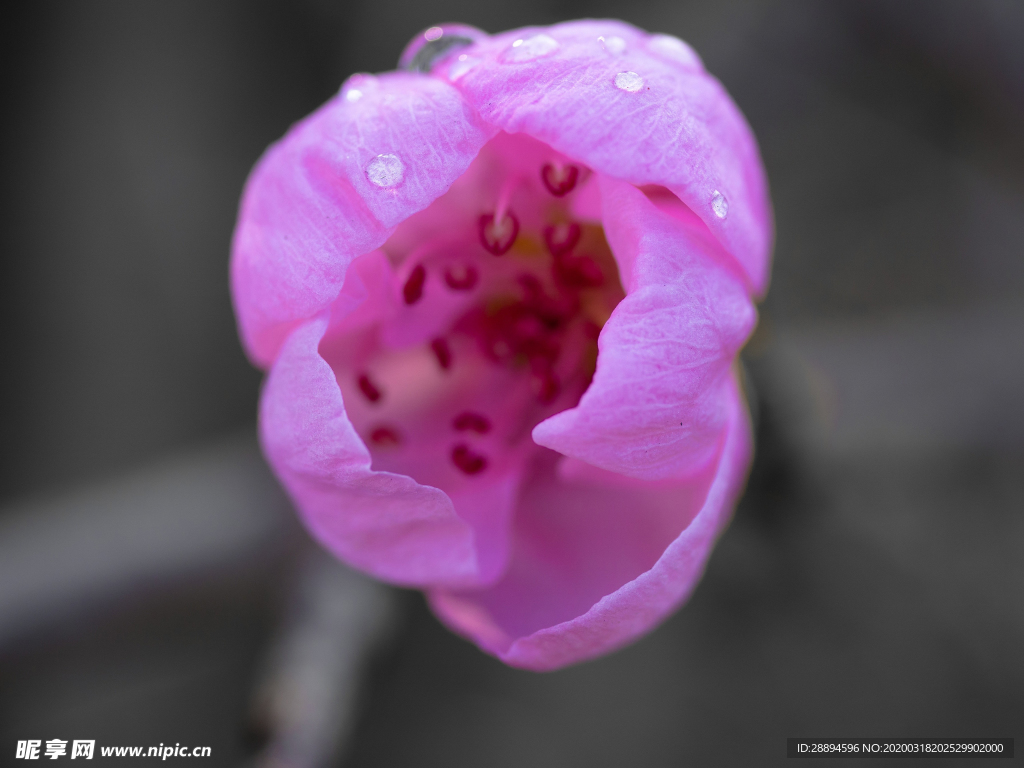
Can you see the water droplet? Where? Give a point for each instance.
(613, 44)
(385, 171)
(462, 65)
(358, 86)
(629, 81)
(531, 48)
(676, 50)
(719, 205)
(433, 33)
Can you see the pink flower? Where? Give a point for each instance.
(500, 300)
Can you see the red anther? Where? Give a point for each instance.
(531, 285)
(413, 289)
(562, 238)
(385, 437)
(467, 420)
(545, 386)
(527, 326)
(469, 462)
(578, 272)
(559, 179)
(461, 277)
(498, 236)
(368, 389)
(442, 352)
(542, 351)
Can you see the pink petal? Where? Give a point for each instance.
(384, 523)
(659, 399)
(596, 565)
(310, 206)
(679, 130)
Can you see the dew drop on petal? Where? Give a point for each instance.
(629, 81)
(613, 44)
(353, 94)
(433, 33)
(719, 205)
(531, 48)
(676, 50)
(462, 65)
(385, 171)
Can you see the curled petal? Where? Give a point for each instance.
(659, 399)
(600, 561)
(637, 115)
(335, 187)
(384, 523)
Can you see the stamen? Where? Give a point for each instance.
(413, 289)
(559, 179)
(442, 352)
(578, 271)
(498, 231)
(385, 437)
(504, 197)
(498, 235)
(475, 422)
(545, 386)
(469, 462)
(532, 286)
(461, 277)
(368, 389)
(562, 238)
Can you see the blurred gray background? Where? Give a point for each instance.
(872, 583)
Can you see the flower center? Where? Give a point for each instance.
(482, 319)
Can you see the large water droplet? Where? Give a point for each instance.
(613, 44)
(462, 65)
(386, 171)
(629, 81)
(433, 34)
(719, 205)
(676, 50)
(357, 86)
(530, 48)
